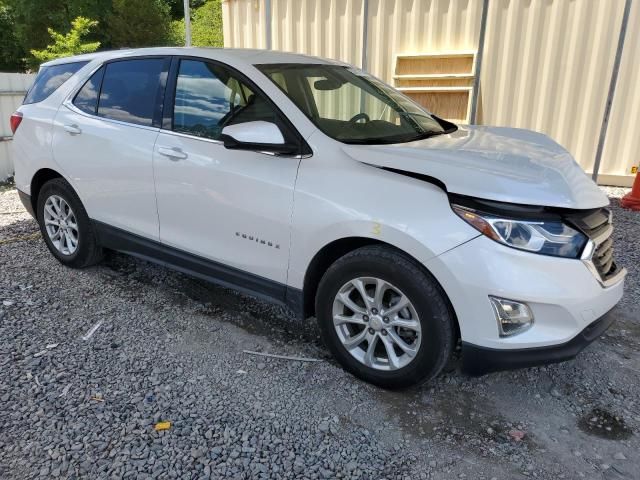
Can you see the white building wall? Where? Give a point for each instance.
(13, 87)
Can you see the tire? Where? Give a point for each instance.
(432, 345)
(87, 252)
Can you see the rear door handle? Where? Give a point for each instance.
(73, 129)
(174, 153)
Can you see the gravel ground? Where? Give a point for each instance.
(170, 348)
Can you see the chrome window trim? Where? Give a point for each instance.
(68, 101)
(69, 104)
(220, 142)
(193, 137)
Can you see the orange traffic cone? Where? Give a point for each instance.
(632, 200)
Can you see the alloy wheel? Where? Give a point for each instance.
(377, 323)
(61, 225)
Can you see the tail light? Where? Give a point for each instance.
(15, 121)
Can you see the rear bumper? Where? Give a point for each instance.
(478, 360)
(26, 201)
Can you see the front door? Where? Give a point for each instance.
(229, 206)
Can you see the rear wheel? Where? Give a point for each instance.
(65, 225)
(384, 318)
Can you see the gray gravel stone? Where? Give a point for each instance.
(170, 349)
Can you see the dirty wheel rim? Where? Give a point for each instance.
(377, 323)
(61, 225)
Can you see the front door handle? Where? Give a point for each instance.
(73, 129)
(174, 153)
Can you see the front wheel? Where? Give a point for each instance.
(65, 225)
(384, 318)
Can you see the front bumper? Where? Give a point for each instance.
(480, 360)
(564, 295)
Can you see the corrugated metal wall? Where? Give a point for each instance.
(244, 25)
(622, 147)
(547, 67)
(414, 26)
(547, 63)
(328, 28)
(13, 87)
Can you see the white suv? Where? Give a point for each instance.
(315, 185)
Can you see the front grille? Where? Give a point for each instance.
(603, 260)
(597, 225)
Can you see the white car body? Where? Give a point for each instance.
(268, 216)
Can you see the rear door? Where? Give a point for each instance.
(104, 137)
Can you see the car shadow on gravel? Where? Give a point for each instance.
(257, 317)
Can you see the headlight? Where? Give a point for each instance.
(545, 237)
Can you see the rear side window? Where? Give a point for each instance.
(49, 79)
(87, 98)
(130, 90)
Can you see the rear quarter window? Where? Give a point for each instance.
(87, 98)
(49, 79)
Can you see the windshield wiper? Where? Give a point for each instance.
(390, 140)
(424, 135)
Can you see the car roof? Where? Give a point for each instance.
(249, 56)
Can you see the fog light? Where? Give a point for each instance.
(513, 317)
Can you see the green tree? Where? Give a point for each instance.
(33, 19)
(11, 53)
(176, 7)
(71, 43)
(206, 26)
(140, 23)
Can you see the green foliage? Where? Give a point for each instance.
(139, 23)
(34, 18)
(206, 26)
(176, 7)
(25, 25)
(206, 29)
(176, 33)
(11, 53)
(72, 43)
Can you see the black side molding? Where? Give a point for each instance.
(26, 201)
(209, 270)
(478, 360)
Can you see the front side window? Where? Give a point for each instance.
(209, 97)
(353, 107)
(129, 90)
(49, 79)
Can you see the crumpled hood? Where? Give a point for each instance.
(494, 163)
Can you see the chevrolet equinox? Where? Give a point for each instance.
(313, 184)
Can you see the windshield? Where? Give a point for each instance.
(351, 106)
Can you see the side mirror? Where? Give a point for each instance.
(258, 136)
